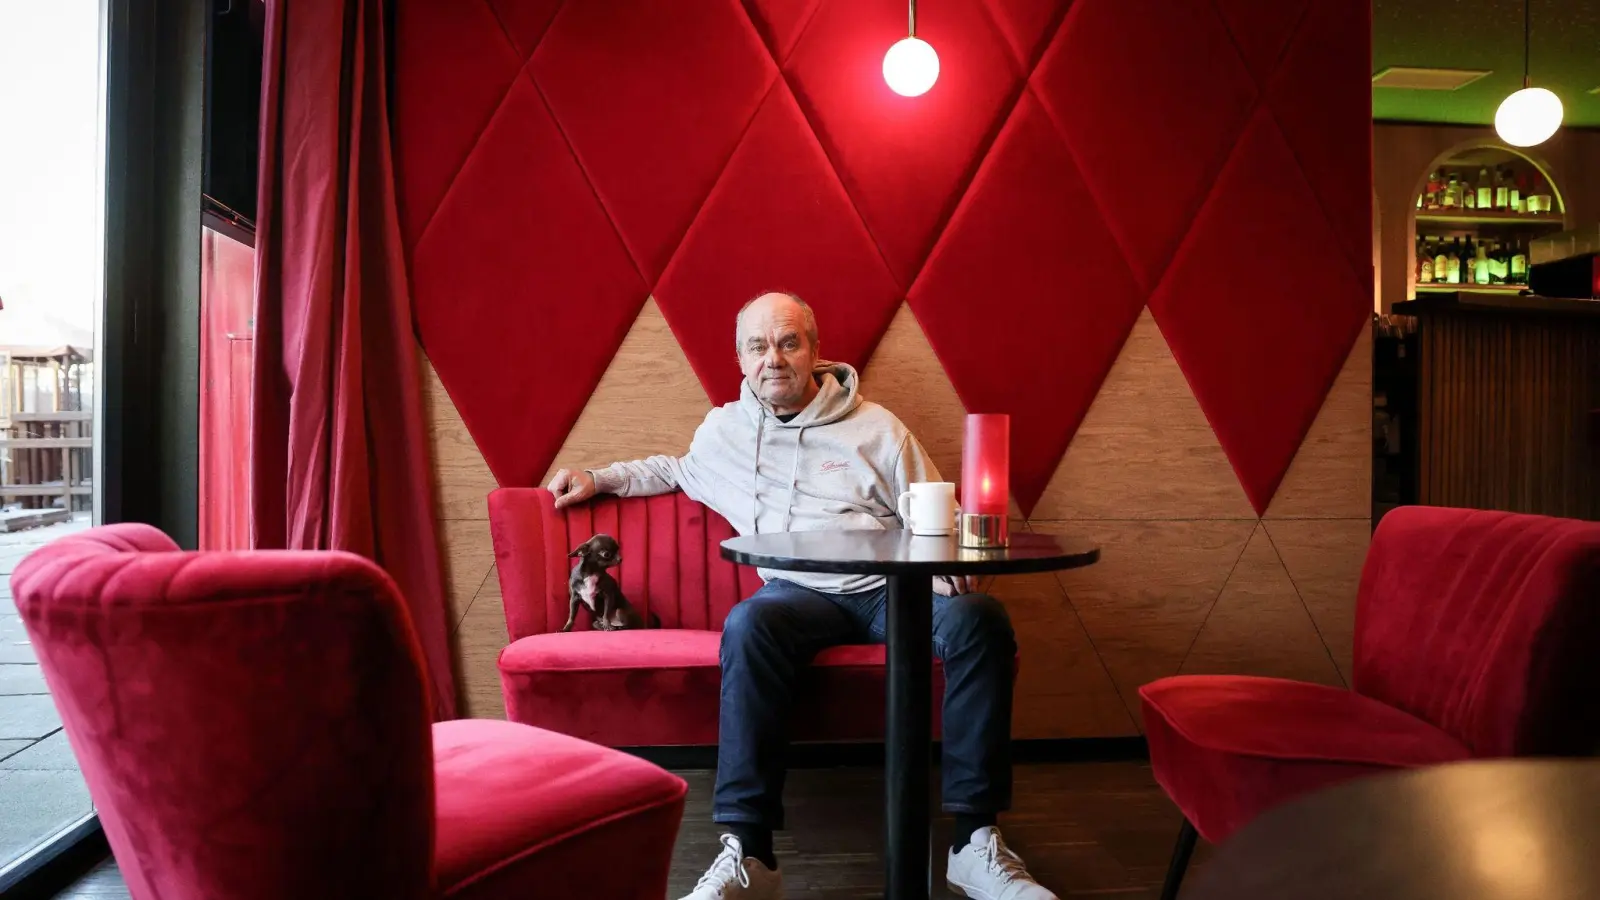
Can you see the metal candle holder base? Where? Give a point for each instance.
(986, 532)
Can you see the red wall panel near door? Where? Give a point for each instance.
(227, 304)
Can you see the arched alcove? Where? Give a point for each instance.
(1448, 221)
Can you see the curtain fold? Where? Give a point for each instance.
(340, 454)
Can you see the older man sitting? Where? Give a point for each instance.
(800, 450)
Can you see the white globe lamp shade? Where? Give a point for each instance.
(911, 67)
(1528, 117)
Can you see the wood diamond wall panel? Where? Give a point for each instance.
(1144, 450)
(905, 377)
(1259, 623)
(1111, 218)
(1331, 475)
(647, 402)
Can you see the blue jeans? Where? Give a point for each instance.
(769, 638)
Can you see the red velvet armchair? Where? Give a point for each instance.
(1476, 636)
(659, 687)
(255, 725)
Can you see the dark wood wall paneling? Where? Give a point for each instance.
(1505, 404)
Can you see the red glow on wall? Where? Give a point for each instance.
(227, 302)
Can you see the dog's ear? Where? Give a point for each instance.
(580, 550)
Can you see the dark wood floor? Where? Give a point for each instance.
(1085, 829)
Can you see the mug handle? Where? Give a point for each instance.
(903, 507)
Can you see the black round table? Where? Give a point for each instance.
(1500, 830)
(908, 565)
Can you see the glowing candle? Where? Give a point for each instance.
(986, 465)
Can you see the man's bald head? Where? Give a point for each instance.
(770, 302)
(776, 337)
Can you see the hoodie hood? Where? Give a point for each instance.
(838, 395)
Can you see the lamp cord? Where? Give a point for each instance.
(914, 18)
(1525, 80)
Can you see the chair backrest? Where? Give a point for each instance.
(671, 558)
(1486, 624)
(250, 725)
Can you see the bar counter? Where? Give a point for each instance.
(1507, 393)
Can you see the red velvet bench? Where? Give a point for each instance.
(652, 687)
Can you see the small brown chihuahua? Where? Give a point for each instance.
(592, 586)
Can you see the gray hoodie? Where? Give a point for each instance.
(840, 464)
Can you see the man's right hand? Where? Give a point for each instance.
(571, 487)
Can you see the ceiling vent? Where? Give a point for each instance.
(1423, 79)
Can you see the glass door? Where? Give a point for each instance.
(52, 250)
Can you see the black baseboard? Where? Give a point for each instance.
(835, 755)
(54, 868)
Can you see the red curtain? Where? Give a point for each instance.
(340, 451)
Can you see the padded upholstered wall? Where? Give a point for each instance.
(1141, 227)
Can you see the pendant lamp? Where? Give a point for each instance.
(1529, 116)
(911, 67)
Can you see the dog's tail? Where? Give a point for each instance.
(655, 620)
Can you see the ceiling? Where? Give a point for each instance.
(1487, 34)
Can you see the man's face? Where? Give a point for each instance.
(775, 354)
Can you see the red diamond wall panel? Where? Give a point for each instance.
(905, 161)
(525, 21)
(520, 307)
(1320, 97)
(1261, 350)
(1027, 300)
(780, 22)
(1026, 24)
(1151, 96)
(653, 96)
(557, 162)
(781, 214)
(450, 92)
(1261, 29)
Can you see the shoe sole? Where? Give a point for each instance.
(957, 889)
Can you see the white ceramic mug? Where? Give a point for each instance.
(929, 508)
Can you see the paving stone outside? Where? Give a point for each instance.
(41, 789)
(21, 678)
(27, 717)
(38, 804)
(53, 753)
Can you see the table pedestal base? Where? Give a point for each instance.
(908, 744)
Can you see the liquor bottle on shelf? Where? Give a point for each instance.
(1452, 193)
(1430, 197)
(1453, 263)
(1485, 189)
(1498, 263)
(1469, 199)
(1519, 265)
(1513, 191)
(1441, 261)
(1539, 196)
(1502, 192)
(1425, 260)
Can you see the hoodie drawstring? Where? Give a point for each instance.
(794, 478)
(755, 480)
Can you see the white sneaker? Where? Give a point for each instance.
(734, 876)
(986, 869)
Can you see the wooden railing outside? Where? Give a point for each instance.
(50, 455)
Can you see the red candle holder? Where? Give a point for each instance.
(986, 481)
